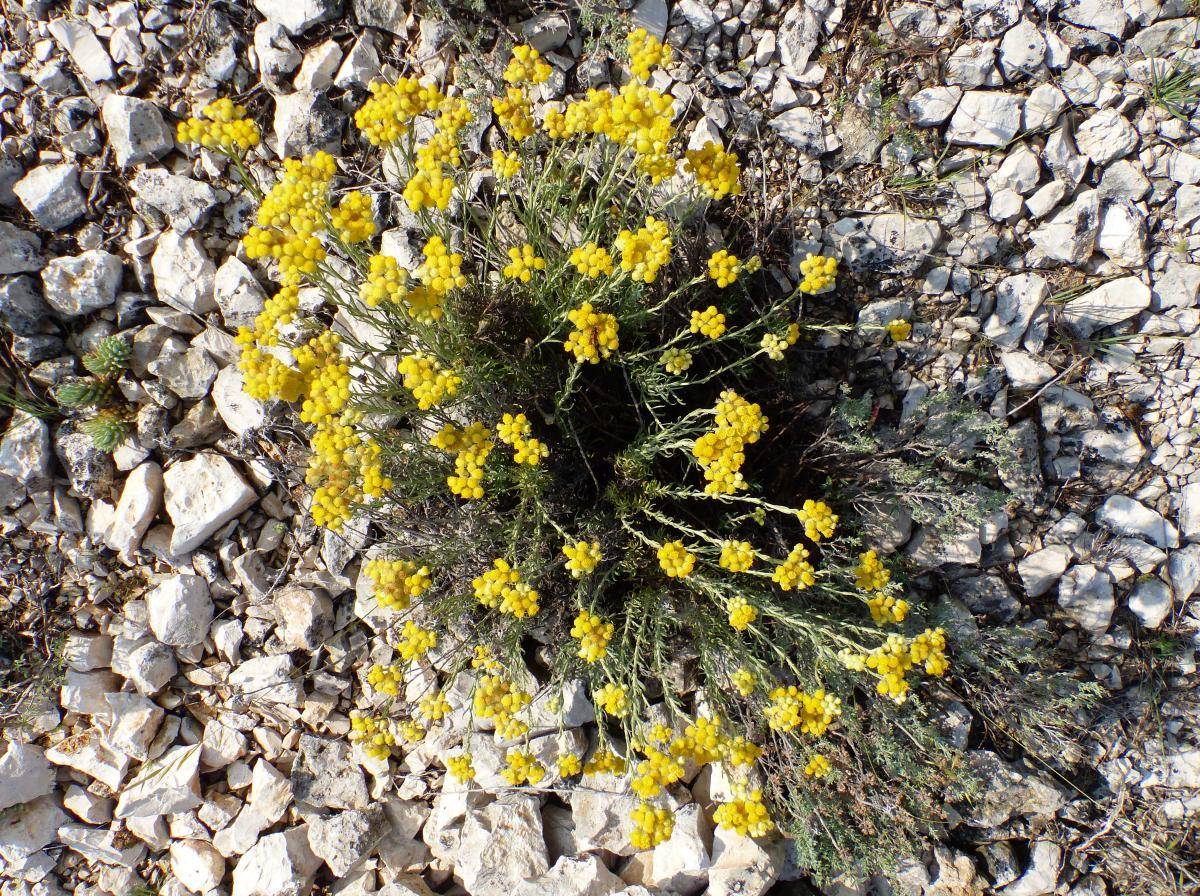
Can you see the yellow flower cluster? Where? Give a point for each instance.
(592, 260)
(501, 588)
(645, 251)
(388, 113)
(724, 267)
(717, 172)
(431, 185)
(676, 361)
(741, 613)
(461, 766)
(795, 572)
(774, 346)
(646, 52)
(652, 825)
(415, 641)
(871, 574)
(745, 815)
(500, 700)
(441, 271)
(721, 451)
(655, 773)
(743, 681)
(353, 219)
(703, 741)
(514, 431)
(818, 519)
(522, 768)
(526, 67)
(604, 762)
(612, 699)
(899, 329)
(893, 659)
(470, 447)
(385, 679)
(594, 336)
(819, 271)
(434, 707)
(343, 469)
(817, 767)
(291, 215)
(569, 765)
(514, 113)
(223, 126)
(522, 262)
(412, 731)
(710, 322)
(582, 557)
(593, 634)
(397, 582)
(505, 165)
(792, 708)
(886, 608)
(676, 560)
(428, 383)
(374, 733)
(386, 281)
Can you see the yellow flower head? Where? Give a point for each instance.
(710, 322)
(223, 126)
(724, 268)
(506, 165)
(526, 67)
(741, 613)
(592, 260)
(646, 52)
(871, 574)
(460, 766)
(523, 768)
(818, 519)
(899, 329)
(795, 572)
(676, 560)
(594, 336)
(593, 634)
(819, 273)
(717, 172)
(645, 251)
(746, 815)
(514, 113)
(612, 699)
(652, 825)
(817, 767)
(744, 681)
(522, 262)
(676, 361)
(582, 557)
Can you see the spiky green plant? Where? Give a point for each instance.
(108, 359)
(84, 394)
(108, 429)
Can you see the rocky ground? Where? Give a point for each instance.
(1021, 177)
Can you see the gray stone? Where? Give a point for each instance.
(164, 786)
(79, 40)
(1184, 571)
(297, 16)
(304, 617)
(893, 242)
(141, 498)
(1126, 516)
(277, 55)
(89, 469)
(547, 31)
(1041, 876)
(51, 193)
(502, 845)
(202, 495)
(1085, 594)
(1010, 793)
(346, 838)
(238, 293)
(135, 723)
(183, 273)
(1070, 236)
(1022, 50)
(305, 123)
(21, 307)
(1042, 108)
(80, 284)
(25, 775)
(327, 775)
(184, 201)
(1122, 235)
(1150, 602)
(1018, 298)
(653, 16)
(1108, 16)
(180, 610)
(386, 14)
(136, 130)
(20, 250)
(24, 458)
(152, 665)
(1106, 306)
(802, 128)
(1189, 511)
(197, 865)
(267, 679)
(985, 118)
(1106, 136)
(188, 373)
(241, 413)
(933, 105)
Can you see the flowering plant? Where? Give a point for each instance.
(566, 417)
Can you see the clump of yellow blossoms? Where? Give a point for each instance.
(817, 767)
(646, 250)
(526, 67)
(676, 360)
(429, 384)
(741, 613)
(595, 334)
(724, 268)
(710, 322)
(501, 588)
(899, 329)
(506, 165)
(415, 641)
(522, 768)
(397, 582)
(593, 634)
(819, 273)
(646, 53)
(522, 262)
(744, 681)
(514, 431)
(374, 734)
(892, 661)
(792, 708)
(582, 557)
(612, 699)
(716, 171)
(676, 560)
(736, 556)
(223, 125)
(721, 451)
(818, 519)
(745, 815)
(652, 825)
(871, 574)
(795, 572)
(461, 767)
(592, 260)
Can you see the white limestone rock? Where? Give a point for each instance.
(183, 273)
(136, 130)
(185, 202)
(241, 413)
(20, 250)
(267, 679)
(277, 865)
(197, 865)
(501, 846)
(78, 38)
(52, 194)
(326, 774)
(1151, 601)
(1107, 305)
(932, 106)
(163, 786)
(180, 610)
(134, 725)
(343, 839)
(1126, 516)
(80, 284)
(743, 866)
(1018, 299)
(1085, 594)
(25, 775)
(297, 16)
(140, 501)
(202, 495)
(1070, 236)
(985, 118)
(89, 752)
